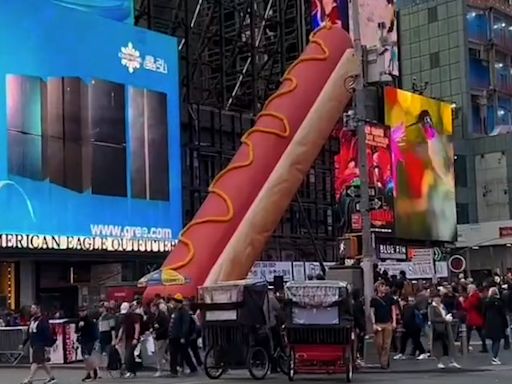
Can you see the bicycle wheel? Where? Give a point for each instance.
(213, 366)
(258, 363)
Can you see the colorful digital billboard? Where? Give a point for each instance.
(89, 132)
(422, 154)
(333, 11)
(118, 10)
(348, 182)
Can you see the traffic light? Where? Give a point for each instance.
(351, 247)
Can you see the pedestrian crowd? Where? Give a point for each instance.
(111, 336)
(430, 317)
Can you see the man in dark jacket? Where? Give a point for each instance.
(87, 332)
(412, 323)
(40, 336)
(161, 332)
(179, 336)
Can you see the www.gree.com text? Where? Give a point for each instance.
(130, 232)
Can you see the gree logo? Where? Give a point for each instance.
(130, 57)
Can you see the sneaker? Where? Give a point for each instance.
(423, 356)
(454, 364)
(399, 357)
(129, 375)
(495, 361)
(27, 381)
(51, 380)
(441, 366)
(157, 374)
(87, 379)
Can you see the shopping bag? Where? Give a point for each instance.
(150, 345)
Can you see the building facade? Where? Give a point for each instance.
(463, 49)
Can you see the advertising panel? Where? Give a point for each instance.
(334, 11)
(378, 26)
(347, 181)
(119, 10)
(89, 132)
(422, 162)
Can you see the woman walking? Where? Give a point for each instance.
(495, 323)
(443, 343)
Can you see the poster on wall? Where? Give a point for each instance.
(378, 27)
(422, 166)
(118, 10)
(89, 132)
(348, 184)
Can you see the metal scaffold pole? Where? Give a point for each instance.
(359, 122)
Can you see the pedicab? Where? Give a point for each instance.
(233, 324)
(320, 328)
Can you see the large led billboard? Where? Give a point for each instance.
(119, 10)
(348, 183)
(89, 132)
(422, 161)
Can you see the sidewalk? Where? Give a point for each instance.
(473, 362)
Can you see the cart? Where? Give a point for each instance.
(320, 328)
(234, 328)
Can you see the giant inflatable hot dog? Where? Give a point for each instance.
(248, 198)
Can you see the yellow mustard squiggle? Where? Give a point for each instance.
(245, 140)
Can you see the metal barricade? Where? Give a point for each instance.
(10, 340)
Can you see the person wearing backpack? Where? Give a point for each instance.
(41, 338)
(412, 323)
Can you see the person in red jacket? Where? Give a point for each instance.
(473, 306)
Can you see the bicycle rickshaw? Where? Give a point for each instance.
(234, 320)
(320, 328)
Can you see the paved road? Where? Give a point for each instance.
(500, 374)
(476, 368)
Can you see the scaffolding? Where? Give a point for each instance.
(233, 54)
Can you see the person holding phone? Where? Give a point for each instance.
(443, 343)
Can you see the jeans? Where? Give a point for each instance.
(415, 337)
(480, 334)
(495, 348)
(161, 354)
(177, 350)
(129, 358)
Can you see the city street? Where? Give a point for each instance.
(475, 367)
(495, 375)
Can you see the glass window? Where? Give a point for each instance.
(478, 25)
(461, 176)
(462, 214)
